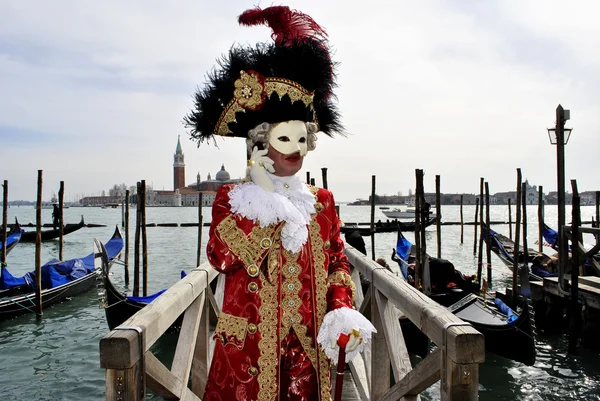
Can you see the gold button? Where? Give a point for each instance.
(252, 328)
(252, 371)
(319, 207)
(222, 339)
(327, 244)
(253, 270)
(286, 186)
(265, 243)
(253, 287)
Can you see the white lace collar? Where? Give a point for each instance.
(291, 202)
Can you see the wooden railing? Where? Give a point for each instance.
(131, 366)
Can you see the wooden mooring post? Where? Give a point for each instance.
(438, 213)
(509, 220)
(515, 272)
(200, 219)
(127, 355)
(38, 246)
(373, 217)
(324, 175)
(461, 220)
(574, 307)
(127, 237)
(488, 237)
(475, 224)
(540, 219)
(144, 238)
(61, 224)
(4, 224)
(136, 249)
(480, 239)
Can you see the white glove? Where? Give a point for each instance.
(353, 342)
(259, 164)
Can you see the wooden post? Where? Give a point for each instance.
(461, 220)
(308, 177)
(61, 241)
(574, 307)
(380, 357)
(540, 219)
(200, 218)
(4, 224)
(136, 251)
(509, 220)
(38, 246)
(144, 240)
(127, 237)
(324, 174)
(373, 217)
(438, 212)
(525, 245)
(418, 261)
(598, 215)
(480, 248)
(488, 239)
(475, 225)
(515, 276)
(312, 182)
(560, 174)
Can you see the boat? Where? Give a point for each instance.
(13, 238)
(118, 307)
(29, 236)
(59, 281)
(383, 227)
(539, 264)
(506, 333)
(406, 213)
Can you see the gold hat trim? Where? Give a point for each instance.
(246, 96)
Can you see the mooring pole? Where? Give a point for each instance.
(438, 212)
(515, 272)
(509, 220)
(488, 239)
(144, 240)
(200, 218)
(481, 223)
(574, 307)
(127, 237)
(475, 226)
(324, 174)
(461, 220)
(136, 250)
(61, 241)
(373, 217)
(38, 246)
(540, 219)
(4, 224)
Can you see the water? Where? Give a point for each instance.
(56, 357)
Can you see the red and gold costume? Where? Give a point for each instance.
(274, 304)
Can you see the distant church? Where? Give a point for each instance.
(189, 195)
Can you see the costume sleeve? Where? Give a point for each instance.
(235, 242)
(341, 289)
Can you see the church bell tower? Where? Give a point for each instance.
(178, 168)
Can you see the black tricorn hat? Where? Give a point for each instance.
(290, 79)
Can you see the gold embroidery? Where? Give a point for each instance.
(268, 344)
(245, 247)
(290, 302)
(343, 279)
(231, 329)
(320, 276)
(248, 90)
(280, 86)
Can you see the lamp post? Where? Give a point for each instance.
(559, 136)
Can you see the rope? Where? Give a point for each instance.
(22, 306)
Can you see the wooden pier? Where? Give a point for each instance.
(131, 366)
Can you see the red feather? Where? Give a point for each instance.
(287, 25)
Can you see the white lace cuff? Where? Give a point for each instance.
(343, 321)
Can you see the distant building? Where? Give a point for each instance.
(189, 195)
(531, 195)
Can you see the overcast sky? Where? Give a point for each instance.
(93, 92)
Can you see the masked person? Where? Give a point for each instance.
(288, 293)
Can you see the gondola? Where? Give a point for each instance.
(29, 236)
(119, 307)
(539, 264)
(506, 333)
(13, 238)
(59, 281)
(384, 227)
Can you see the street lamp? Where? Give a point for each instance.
(557, 137)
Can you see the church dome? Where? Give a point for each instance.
(222, 175)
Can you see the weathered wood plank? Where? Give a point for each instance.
(182, 361)
(349, 391)
(465, 344)
(361, 380)
(417, 380)
(394, 338)
(202, 355)
(380, 362)
(586, 294)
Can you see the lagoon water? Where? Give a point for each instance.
(56, 357)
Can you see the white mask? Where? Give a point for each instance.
(290, 137)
